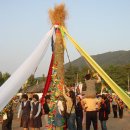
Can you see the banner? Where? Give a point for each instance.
(122, 95)
(17, 79)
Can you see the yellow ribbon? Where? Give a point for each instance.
(64, 42)
(122, 95)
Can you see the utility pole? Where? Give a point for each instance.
(128, 78)
(77, 77)
(128, 81)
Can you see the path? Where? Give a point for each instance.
(112, 123)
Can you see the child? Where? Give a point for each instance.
(25, 108)
(91, 81)
(35, 116)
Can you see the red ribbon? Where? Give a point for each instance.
(48, 81)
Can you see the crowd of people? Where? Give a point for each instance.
(71, 109)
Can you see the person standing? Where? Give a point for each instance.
(25, 108)
(7, 118)
(70, 104)
(90, 106)
(114, 106)
(59, 120)
(107, 101)
(46, 111)
(103, 113)
(79, 112)
(90, 102)
(120, 108)
(36, 113)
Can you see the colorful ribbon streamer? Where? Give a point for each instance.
(48, 81)
(17, 79)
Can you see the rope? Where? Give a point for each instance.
(68, 57)
(89, 66)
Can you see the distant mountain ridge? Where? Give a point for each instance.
(109, 58)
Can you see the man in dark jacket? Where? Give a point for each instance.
(79, 112)
(46, 110)
(103, 113)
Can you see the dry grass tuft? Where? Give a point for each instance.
(58, 15)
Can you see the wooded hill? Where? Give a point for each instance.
(115, 64)
(105, 59)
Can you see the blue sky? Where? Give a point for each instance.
(97, 25)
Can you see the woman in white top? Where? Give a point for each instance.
(36, 114)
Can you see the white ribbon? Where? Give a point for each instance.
(17, 79)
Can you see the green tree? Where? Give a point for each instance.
(1, 79)
(71, 75)
(31, 81)
(5, 76)
(118, 74)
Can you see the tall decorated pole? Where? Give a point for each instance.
(57, 17)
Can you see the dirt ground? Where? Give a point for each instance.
(112, 123)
